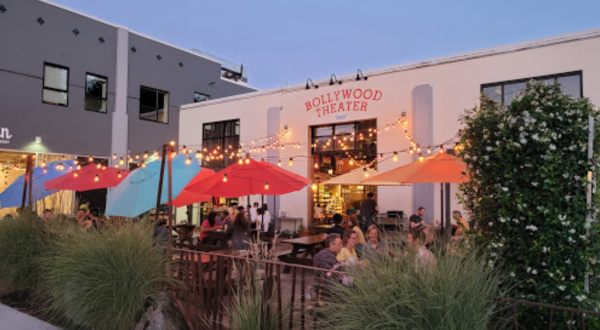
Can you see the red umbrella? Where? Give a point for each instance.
(250, 178)
(90, 177)
(187, 196)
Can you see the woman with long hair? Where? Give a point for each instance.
(375, 243)
(239, 232)
(348, 254)
(210, 224)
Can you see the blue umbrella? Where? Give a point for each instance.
(137, 193)
(13, 195)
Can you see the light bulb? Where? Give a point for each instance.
(366, 173)
(199, 155)
(45, 170)
(96, 178)
(130, 160)
(119, 174)
(291, 163)
(441, 149)
(145, 154)
(91, 159)
(75, 161)
(314, 186)
(114, 156)
(44, 164)
(121, 161)
(184, 149)
(188, 161)
(240, 161)
(421, 158)
(172, 143)
(267, 185)
(351, 161)
(98, 166)
(279, 163)
(75, 175)
(395, 158)
(225, 177)
(316, 165)
(173, 154)
(381, 156)
(143, 165)
(411, 151)
(428, 150)
(247, 161)
(78, 167)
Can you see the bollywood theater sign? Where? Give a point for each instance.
(343, 101)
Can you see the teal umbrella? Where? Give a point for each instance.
(137, 193)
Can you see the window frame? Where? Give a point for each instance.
(335, 150)
(58, 66)
(207, 97)
(86, 95)
(224, 146)
(538, 78)
(156, 106)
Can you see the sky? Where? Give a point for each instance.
(284, 42)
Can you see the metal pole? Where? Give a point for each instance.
(30, 162)
(262, 205)
(25, 182)
(589, 194)
(170, 177)
(160, 181)
(448, 223)
(442, 205)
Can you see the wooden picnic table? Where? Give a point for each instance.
(321, 229)
(308, 244)
(219, 238)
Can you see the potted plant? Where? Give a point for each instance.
(303, 231)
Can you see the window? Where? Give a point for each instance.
(56, 85)
(505, 92)
(224, 137)
(154, 105)
(95, 92)
(199, 97)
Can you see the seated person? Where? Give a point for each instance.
(375, 244)
(337, 225)
(210, 224)
(353, 224)
(424, 257)
(226, 219)
(459, 225)
(239, 232)
(84, 220)
(46, 216)
(326, 259)
(347, 255)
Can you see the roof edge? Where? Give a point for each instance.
(520, 46)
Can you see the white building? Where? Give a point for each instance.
(433, 94)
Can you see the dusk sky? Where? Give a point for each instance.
(286, 42)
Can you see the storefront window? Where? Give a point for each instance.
(337, 150)
(221, 140)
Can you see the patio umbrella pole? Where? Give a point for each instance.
(262, 221)
(160, 182)
(25, 183)
(442, 204)
(448, 225)
(170, 198)
(30, 162)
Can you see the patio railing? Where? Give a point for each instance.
(211, 280)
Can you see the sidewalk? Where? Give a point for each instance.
(12, 319)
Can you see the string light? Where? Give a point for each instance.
(44, 164)
(381, 156)
(441, 149)
(247, 160)
(411, 151)
(421, 158)
(199, 155)
(75, 175)
(279, 163)
(75, 161)
(91, 159)
(78, 167)
(172, 143)
(98, 166)
(225, 177)
(114, 156)
(314, 186)
(351, 162)
(240, 161)
(145, 154)
(121, 161)
(428, 150)
(316, 165)
(366, 173)
(184, 149)
(143, 165)
(395, 158)
(291, 163)
(96, 178)
(188, 161)
(267, 185)
(119, 174)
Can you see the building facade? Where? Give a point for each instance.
(78, 86)
(337, 128)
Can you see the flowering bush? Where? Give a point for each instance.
(528, 166)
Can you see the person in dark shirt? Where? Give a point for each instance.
(417, 225)
(326, 259)
(337, 225)
(369, 209)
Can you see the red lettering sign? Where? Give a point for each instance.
(343, 100)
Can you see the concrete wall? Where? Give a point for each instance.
(24, 47)
(455, 87)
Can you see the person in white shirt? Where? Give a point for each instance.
(264, 217)
(318, 210)
(253, 213)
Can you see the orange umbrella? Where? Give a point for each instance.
(441, 167)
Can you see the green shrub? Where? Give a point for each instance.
(23, 241)
(394, 293)
(528, 168)
(105, 278)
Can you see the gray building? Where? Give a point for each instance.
(73, 84)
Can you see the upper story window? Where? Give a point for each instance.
(506, 91)
(199, 97)
(154, 105)
(56, 85)
(95, 92)
(224, 137)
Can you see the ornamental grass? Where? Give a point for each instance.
(23, 242)
(104, 279)
(399, 293)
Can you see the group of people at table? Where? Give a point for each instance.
(237, 221)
